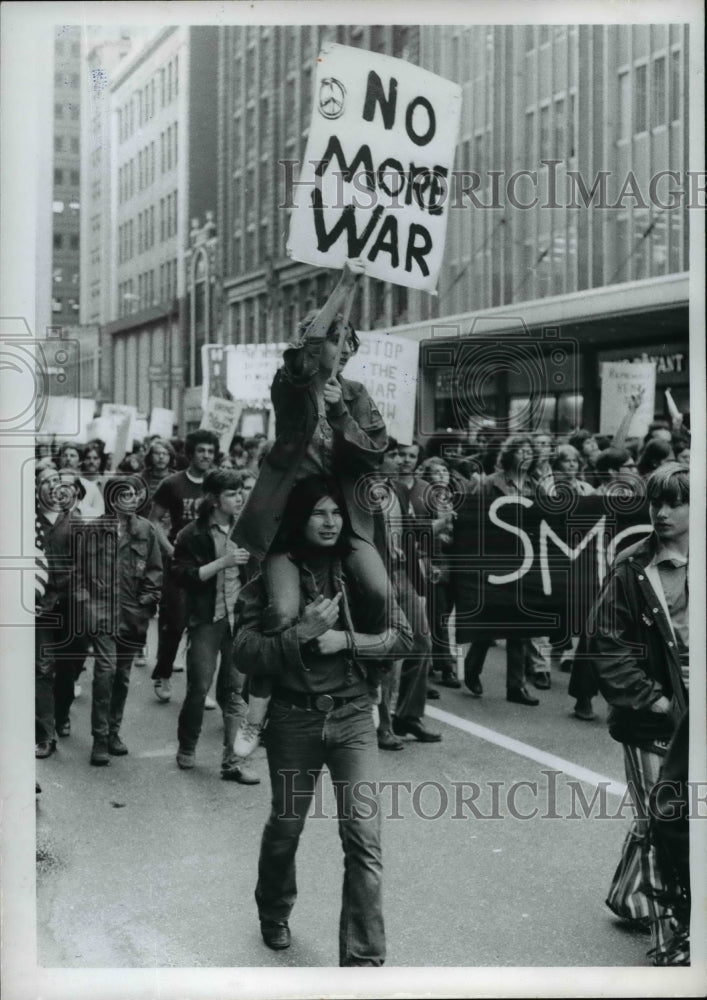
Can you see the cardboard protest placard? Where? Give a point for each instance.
(251, 369)
(161, 422)
(123, 438)
(388, 368)
(118, 412)
(103, 429)
(67, 416)
(619, 381)
(375, 178)
(221, 416)
(213, 366)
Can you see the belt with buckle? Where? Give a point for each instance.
(312, 702)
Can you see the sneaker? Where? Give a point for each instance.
(77, 690)
(163, 688)
(140, 661)
(44, 749)
(116, 747)
(186, 759)
(247, 739)
(63, 728)
(240, 773)
(209, 703)
(99, 753)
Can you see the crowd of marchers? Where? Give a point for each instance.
(317, 621)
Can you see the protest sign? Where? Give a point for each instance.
(387, 366)
(213, 367)
(123, 438)
(139, 430)
(251, 369)
(67, 416)
(120, 411)
(375, 178)
(221, 416)
(103, 429)
(161, 422)
(533, 567)
(619, 381)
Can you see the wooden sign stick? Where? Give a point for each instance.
(342, 334)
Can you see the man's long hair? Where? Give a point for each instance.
(302, 501)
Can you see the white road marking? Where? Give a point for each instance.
(526, 750)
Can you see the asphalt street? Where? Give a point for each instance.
(142, 865)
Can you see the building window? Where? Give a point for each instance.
(58, 175)
(58, 241)
(74, 144)
(640, 99)
(75, 179)
(58, 144)
(57, 305)
(74, 108)
(57, 207)
(74, 80)
(58, 110)
(74, 241)
(658, 92)
(545, 132)
(675, 75)
(624, 105)
(75, 49)
(529, 140)
(560, 142)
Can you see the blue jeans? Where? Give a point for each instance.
(205, 642)
(299, 743)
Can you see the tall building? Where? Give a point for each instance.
(561, 127)
(161, 173)
(66, 205)
(105, 49)
(573, 226)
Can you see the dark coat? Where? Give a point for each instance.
(275, 654)
(60, 552)
(360, 441)
(118, 580)
(194, 547)
(139, 574)
(634, 653)
(415, 532)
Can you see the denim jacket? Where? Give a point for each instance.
(360, 441)
(374, 633)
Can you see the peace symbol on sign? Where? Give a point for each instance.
(331, 98)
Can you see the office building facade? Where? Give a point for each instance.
(560, 189)
(161, 174)
(66, 180)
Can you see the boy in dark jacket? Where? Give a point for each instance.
(208, 564)
(638, 638)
